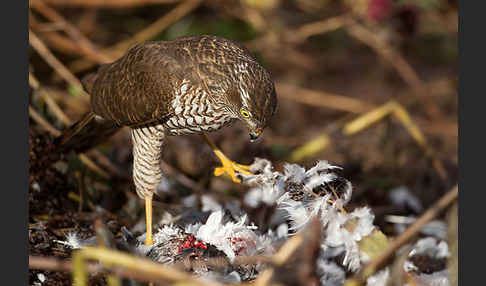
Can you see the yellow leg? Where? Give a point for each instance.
(229, 167)
(148, 216)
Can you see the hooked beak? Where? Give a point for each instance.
(255, 134)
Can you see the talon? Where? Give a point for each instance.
(218, 171)
(231, 168)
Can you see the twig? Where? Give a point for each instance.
(157, 27)
(305, 31)
(309, 148)
(92, 165)
(42, 122)
(61, 43)
(47, 55)
(397, 271)
(396, 60)
(106, 240)
(400, 113)
(181, 178)
(50, 33)
(253, 16)
(40, 47)
(322, 98)
(53, 264)
(286, 251)
(87, 22)
(43, 27)
(369, 118)
(145, 269)
(147, 33)
(343, 103)
(82, 189)
(372, 115)
(84, 44)
(405, 237)
(220, 262)
(34, 83)
(283, 254)
(108, 3)
(264, 277)
(105, 162)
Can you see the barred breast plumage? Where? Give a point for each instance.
(193, 113)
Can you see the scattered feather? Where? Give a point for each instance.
(402, 197)
(296, 197)
(379, 279)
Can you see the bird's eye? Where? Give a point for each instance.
(245, 113)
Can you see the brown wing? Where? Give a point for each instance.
(139, 87)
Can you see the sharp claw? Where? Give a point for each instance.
(231, 168)
(219, 171)
(244, 167)
(236, 180)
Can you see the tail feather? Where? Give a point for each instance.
(88, 81)
(86, 133)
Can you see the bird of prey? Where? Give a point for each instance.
(190, 85)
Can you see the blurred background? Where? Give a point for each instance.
(369, 85)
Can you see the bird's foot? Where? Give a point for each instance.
(148, 217)
(231, 168)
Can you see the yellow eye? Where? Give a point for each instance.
(245, 113)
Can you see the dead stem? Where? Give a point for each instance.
(49, 32)
(302, 33)
(322, 98)
(105, 162)
(84, 44)
(42, 122)
(397, 61)
(146, 269)
(108, 3)
(181, 178)
(219, 262)
(382, 48)
(145, 34)
(53, 264)
(412, 231)
(54, 107)
(47, 55)
(157, 27)
(92, 165)
(282, 256)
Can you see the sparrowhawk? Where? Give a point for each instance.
(189, 85)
